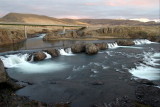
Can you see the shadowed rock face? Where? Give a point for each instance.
(125, 43)
(8, 36)
(3, 74)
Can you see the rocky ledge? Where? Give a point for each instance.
(8, 36)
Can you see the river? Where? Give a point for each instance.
(71, 77)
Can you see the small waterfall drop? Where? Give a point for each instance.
(142, 41)
(13, 60)
(112, 45)
(48, 55)
(68, 53)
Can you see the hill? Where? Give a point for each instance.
(32, 18)
(41, 19)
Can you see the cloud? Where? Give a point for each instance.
(84, 8)
(139, 3)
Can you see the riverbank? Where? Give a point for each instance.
(96, 33)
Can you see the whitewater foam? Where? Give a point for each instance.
(48, 56)
(63, 52)
(112, 45)
(20, 63)
(146, 72)
(14, 60)
(147, 69)
(142, 41)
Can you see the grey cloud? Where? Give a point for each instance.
(63, 8)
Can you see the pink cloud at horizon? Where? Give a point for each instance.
(142, 3)
(74, 17)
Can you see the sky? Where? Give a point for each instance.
(98, 9)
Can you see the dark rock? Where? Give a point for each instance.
(91, 49)
(29, 57)
(3, 74)
(148, 95)
(13, 85)
(125, 42)
(144, 81)
(52, 52)
(39, 56)
(98, 83)
(78, 48)
(102, 46)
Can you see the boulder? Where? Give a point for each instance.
(78, 48)
(5, 80)
(148, 95)
(125, 42)
(91, 49)
(39, 56)
(52, 52)
(102, 46)
(3, 74)
(97, 83)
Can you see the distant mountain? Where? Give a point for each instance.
(40, 19)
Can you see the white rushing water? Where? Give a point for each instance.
(19, 62)
(48, 56)
(68, 53)
(148, 69)
(142, 41)
(11, 61)
(112, 45)
(41, 36)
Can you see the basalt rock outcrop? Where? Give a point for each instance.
(53, 52)
(9, 36)
(91, 49)
(125, 42)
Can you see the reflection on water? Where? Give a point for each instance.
(13, 47)
(38, 43)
